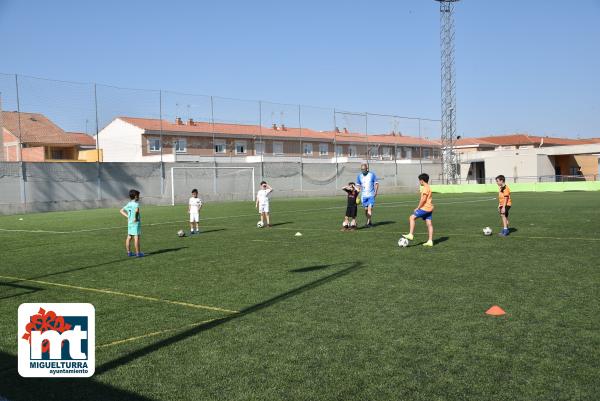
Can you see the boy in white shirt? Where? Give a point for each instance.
(262, 202)
(194, 206)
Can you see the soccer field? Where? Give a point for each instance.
(240, 313)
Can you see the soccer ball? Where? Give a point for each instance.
(260, 224)
(402, 242)
(487, 231)
(181, 233)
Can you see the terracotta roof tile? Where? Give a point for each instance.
(201, 127)
(36, 128)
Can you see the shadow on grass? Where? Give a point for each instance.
(512, 230)
(383, 223)
(110, 262)
(352, 266)
(440, 240)
(16, 388)
(281, 224)
(166, 250)
(29, 290)
(214, 230)
(376, 224)
(310, 268)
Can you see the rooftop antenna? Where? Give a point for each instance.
(448, 91)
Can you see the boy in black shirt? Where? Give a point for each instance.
(351, 209)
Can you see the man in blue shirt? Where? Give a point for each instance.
(368, 186)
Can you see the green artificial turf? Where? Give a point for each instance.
(329, 315)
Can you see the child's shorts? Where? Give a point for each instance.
(134, 229)
(506, 209)
(263, 208)
(351, 211)
(194, 217)
(423, 214)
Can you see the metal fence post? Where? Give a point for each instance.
(301, 150)
(20, 153)
(162, 165)
(98, 167)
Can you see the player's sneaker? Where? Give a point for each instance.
(140, 255)
(428, 243)
(130, 253)
(409, 237)
(504, 232)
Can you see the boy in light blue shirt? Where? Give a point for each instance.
(134, 223)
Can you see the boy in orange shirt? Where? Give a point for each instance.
(504, 203)
(423, 211)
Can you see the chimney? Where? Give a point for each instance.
(191, 121)
(275, 126)
(178, 121)
(283, 128)
(337, 130)
(345, 130)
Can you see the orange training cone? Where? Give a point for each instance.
(495, 311)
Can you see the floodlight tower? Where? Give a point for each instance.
(449, 159)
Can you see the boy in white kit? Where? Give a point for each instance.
(194, 206)
(262, 202)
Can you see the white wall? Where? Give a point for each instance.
(121, 142)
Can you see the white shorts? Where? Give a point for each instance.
(263, 208)
(194, 217)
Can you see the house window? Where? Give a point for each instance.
(339, 150)
(277, 148)
(220, 147)
(385, 152)
(374, 151)
(154, 145)
(240, 148)
(308, 149)
(426, 153)
(352, 152)
(58, 153)
(181, 146)
(323, 149)
(259, 148)
(407, 153)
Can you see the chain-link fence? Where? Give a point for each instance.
(68, 145)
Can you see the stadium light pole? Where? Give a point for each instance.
(448, 91)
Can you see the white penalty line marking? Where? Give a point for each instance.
(372, 230)
(124, 294)
(383, 205)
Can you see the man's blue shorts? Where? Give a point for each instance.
(423, 214)
(367, 201)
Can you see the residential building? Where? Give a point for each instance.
(42, 140)
(128, 139)
(528, 157)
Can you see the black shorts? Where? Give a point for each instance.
(351, 211)
(506, 210)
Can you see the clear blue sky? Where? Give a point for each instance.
(528, 66)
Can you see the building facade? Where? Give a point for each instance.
(129, 139)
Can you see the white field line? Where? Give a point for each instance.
(383, 205)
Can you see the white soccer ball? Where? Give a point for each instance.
(487, 231)
(260, 224)
(181, 233)
(402, 242)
